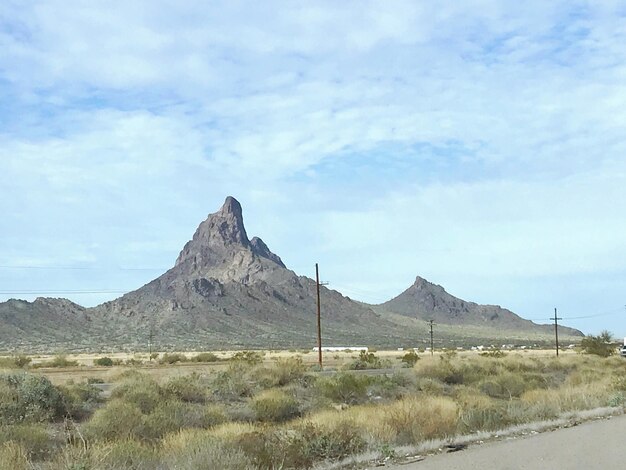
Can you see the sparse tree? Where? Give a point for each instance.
(601, 345)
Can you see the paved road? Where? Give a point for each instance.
(598, 444)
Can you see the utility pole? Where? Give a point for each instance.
(556, 331)
(319, 317)
(150, 338)
(432, 347)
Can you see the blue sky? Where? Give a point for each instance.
(477, 144)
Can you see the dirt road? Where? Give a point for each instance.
(598, 444)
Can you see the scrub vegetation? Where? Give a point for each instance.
(251, 415)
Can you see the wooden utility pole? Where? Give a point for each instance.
(319, 317)
(432, 347)
(556, 331)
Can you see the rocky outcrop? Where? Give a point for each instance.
(427, 301)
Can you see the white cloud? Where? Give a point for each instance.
(455, 138)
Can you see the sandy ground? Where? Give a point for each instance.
(598, 444)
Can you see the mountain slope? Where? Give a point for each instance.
(428, 301)
(228, 291)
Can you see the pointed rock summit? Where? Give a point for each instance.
(220, 249)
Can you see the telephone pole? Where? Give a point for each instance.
(432, 347)
(556, 331)
(319, 316)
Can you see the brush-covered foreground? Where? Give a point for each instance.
(280, 416)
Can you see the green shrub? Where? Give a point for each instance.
(32, 438)
(172, 358)
(495, 352)
(13, 456)
(80, 400)
(282, 372)
(29, 398)
(191, 450)
(103, 361)
(601, 345)
(141, 391)
(410, 358)
(15, 362)
(345, 387)
(117, 420)
(60, 360)
(191, 388)
(251, 358)
(367, 360)
(173, 416)
(205, 357)
(125, 454)
(234, 383)
(300, 447)
(274, 405)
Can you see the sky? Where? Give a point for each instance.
(478, 144)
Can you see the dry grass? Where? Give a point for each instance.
(277, 415)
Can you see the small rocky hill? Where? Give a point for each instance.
(427, 301)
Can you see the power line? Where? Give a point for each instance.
(81, 268)
(605, 314)
(49, 292)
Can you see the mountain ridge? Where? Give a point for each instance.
(226, 290)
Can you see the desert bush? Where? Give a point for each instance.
(205, 357)
(274, 405)
(234, 383)
(80, 400)
(29, 398)
(141, 391)
(495, 352)
(299, 447)
(193, 450)
(505, 385)
(13, 456)
(416, 419)
(430, 386)
(132, 361)
(32, 438)
(191, 388)
(601, 345)
(173, 416)
(117, 420)
(281, 373)
(172, 358)
(331, 443)
(251, 358)
(367, 360)
(60, 360)
(103, 361)
(127, 454)
(15, 362)
(410, 358)
(345, 387)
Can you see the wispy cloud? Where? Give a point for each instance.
(465, 141)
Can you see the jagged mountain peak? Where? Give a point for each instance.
(220, 249)
(261, 249)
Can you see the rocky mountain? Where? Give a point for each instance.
(228, 291)
(427, 301)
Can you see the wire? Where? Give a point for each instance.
(48, 292)
(605, 314)
(90, 268)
